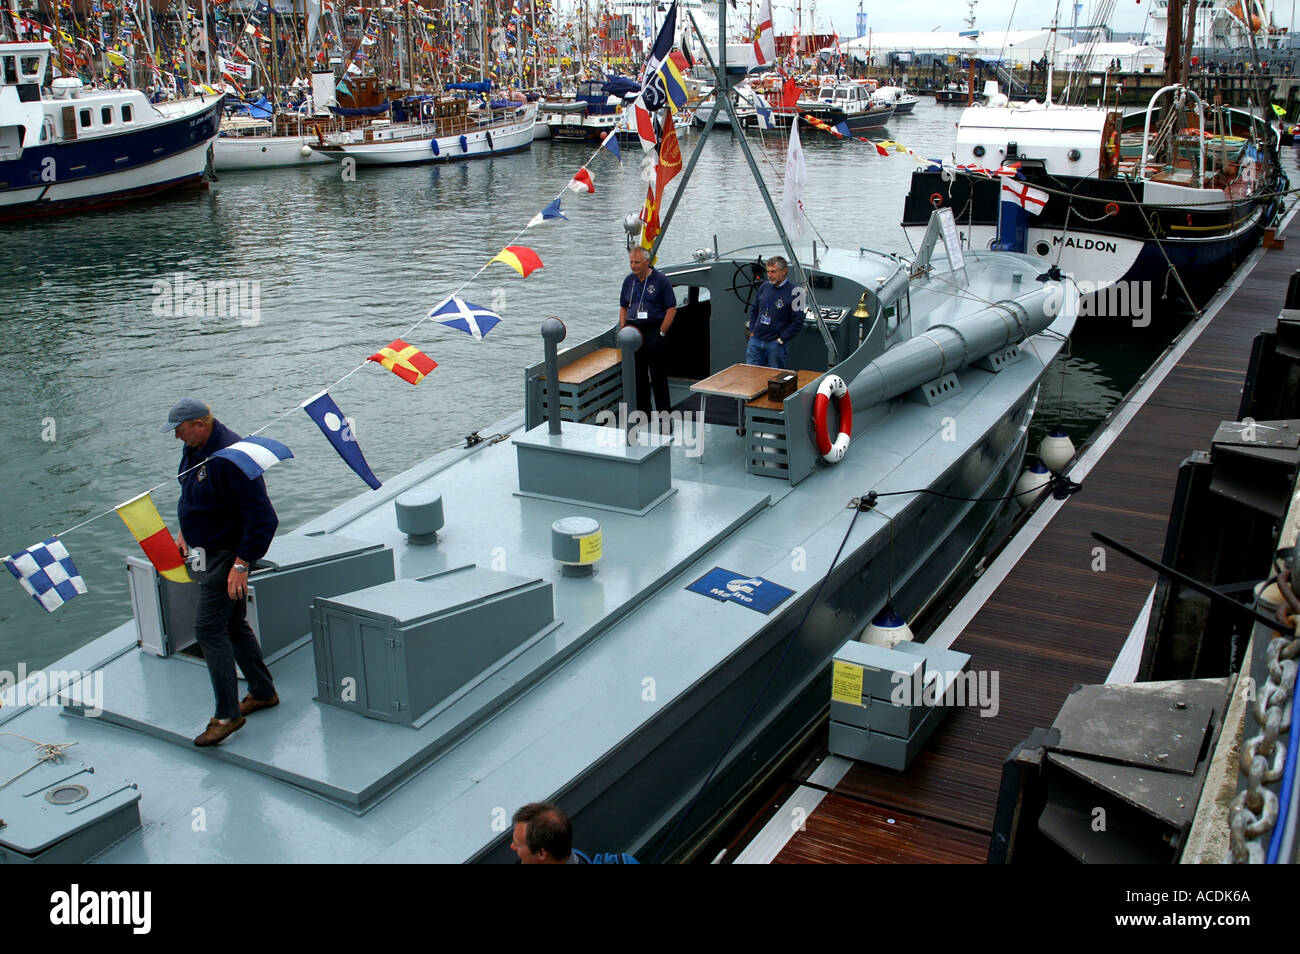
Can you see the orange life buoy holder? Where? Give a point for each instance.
(936, 199)
(833, 387)
(1112, 208)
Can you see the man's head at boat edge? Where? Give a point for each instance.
(542, 835)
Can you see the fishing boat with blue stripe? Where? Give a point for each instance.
(66, 148)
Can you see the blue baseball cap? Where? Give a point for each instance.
(186, 409)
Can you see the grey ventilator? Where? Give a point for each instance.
(576, 545)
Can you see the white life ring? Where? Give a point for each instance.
(833, 386)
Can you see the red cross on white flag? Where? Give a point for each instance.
(763, 49)
(1022, 194)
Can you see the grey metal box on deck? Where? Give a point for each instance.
(283, 583)
(399, 650)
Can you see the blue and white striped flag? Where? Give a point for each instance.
(47, 573)
(253, 455)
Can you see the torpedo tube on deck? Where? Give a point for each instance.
(887, 629)
(1031, 484)
(1056, 449)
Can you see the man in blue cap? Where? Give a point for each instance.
(228, 522)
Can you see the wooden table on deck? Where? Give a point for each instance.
(767, 404)
(742, 382)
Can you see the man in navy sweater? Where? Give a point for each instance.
(775, 318)
(647, 303)
(228, 521)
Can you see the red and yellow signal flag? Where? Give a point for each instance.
(142, 519)
(406, 361)
(519, 257)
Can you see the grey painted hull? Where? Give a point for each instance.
(622, 705)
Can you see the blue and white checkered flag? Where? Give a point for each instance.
(47, 572)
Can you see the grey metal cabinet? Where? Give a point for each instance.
(401, 650)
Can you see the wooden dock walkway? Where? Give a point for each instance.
(1051, 622)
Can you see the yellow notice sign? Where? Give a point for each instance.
(846, 683)
(589, 548)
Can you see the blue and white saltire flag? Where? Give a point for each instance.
(47, 572)
(843, 130)
(338, 431)
(552, 211)
(474, 320)
(253, 455)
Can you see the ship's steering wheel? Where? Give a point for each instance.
(746, 279)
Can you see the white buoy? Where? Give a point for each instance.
(888, 629)
(305, 150)
(1056, 449)
(1031, 483)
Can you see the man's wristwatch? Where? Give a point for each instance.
(240, 568)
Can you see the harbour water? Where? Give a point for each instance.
(329, 269)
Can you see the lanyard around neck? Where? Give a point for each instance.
(644, 286)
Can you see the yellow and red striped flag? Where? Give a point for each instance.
(649, 218)
(406, 361)
(519, 257)
(142, 519)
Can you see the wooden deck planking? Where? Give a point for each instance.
(894, 837)
(1053, 622)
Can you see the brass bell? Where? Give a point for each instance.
(860, 310)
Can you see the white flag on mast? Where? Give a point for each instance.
(762, 51)
(796, 177)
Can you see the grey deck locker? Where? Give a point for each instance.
(400, 650)
(295, 570)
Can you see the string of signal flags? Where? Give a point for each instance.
(46, 570)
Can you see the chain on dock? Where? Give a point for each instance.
(1254, 812)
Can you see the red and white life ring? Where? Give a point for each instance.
(833, 386)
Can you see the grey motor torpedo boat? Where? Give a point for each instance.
(565, 614)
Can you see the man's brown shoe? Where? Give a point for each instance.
(249, 705)
(218, 730)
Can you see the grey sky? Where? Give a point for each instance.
(1128, 16)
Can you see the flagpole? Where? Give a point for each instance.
(722, 85)
(207, 49)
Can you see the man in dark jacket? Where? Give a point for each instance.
(227, 524)
(775, 318)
